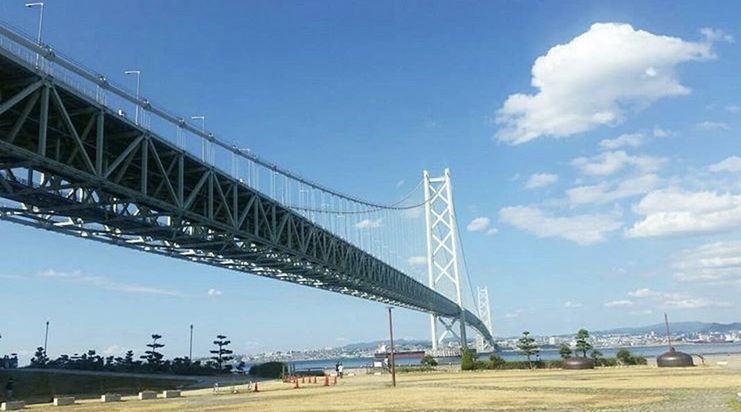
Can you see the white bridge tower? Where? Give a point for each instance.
(482, 345)
(442, 254)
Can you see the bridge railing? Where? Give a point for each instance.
(368, 225)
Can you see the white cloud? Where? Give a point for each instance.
(572, 305)
(730, 164)
(733, 108)
(582, 229)
(624, 140)
(105, 283)
(605, 192)
(692, 304)
(718, 262)
(673, 212)
(621, 303)
(538, 180)
(114, 350)
(515, 314)
(659, 132)
(592, 80)
(642, 312)
(709, 125)
(492, 231)
(478, 224)
(214, 293)
(608, 163)
(369, 224)
(644, 293)
(714, 35)
(417, 261)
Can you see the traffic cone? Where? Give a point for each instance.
(326, 380)
(295, 386)
(303, 379)
(314, 379)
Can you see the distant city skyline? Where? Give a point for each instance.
(592, 147)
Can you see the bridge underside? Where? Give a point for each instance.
(71, 165)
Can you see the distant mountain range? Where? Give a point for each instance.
(675, 328)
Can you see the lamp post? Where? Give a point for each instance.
(40, 5)
(202, 118)
(393, 358)
(46, 336)
(190, 353)
(138, 77)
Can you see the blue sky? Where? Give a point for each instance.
(603, 155)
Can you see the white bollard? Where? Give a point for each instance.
(110, 397)
(147, 395)
(12, 405)
(171, 394)
(67, 400)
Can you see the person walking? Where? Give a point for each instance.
(340, 369)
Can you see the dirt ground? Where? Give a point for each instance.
(645, 388)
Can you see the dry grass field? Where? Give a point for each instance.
(646, 388)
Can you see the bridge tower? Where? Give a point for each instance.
(482, 345)
(442, 254)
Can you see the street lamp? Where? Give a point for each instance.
(202, 118)
(40, 5)
(46, 336)
(393, 357)
(190, 353)
(138, 74)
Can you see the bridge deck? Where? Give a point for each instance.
(71, 165)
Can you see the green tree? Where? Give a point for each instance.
(39, 359)
(153, 356)
(582, 342)
(526, 344)
(467, 361)
(221, 354)
(564, 351)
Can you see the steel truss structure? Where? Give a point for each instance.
(484, 308)
(71, 165)
(442, 253)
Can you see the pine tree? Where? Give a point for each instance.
(39, 359)
(526, 344)
(222, 354)
(153, 356)
(564, 351)
(582, 342)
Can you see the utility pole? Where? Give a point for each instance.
(190, 353)
(393, 358)
(46, 336)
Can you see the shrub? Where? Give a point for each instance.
(428, 360)
(467, 361)
(496, 362)
(627, 358)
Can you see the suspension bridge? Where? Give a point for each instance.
(74, 162)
